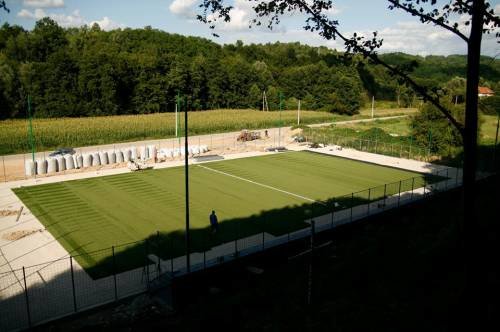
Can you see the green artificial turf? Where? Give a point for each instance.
(91, 214)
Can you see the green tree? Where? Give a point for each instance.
(431, 129)
(255, 97)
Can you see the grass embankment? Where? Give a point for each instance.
(393, 137)
(77, 132)
(138, 205)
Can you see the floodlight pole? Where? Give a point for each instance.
(186, 172)
(176, 120)
(279, 128)
(496, 142)
(30, 130)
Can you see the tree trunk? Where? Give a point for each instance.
(475, 308)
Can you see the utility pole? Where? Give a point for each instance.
(30, 130)
(265, 104)
(298, 114)
(373, 105)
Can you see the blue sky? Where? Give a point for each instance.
(400, 31)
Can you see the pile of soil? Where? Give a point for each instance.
(6, 213)
(12, 236)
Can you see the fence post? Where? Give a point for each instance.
(27, 298)
(447, 178)
(369, 196)
(114, 272)
(352, 203)
(399, 196)
(24, 164)
(205, 259)
(4, 174)
(73, 283)
(171, 256)
(146, 247)
(385, 193)
(158, 268)
(412, 184)
(376, 144)
(400, 150)
(333, 211)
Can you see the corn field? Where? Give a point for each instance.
(76, 132)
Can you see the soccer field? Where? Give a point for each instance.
(274, 193)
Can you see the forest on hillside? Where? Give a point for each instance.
(90, 72)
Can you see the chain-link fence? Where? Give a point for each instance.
(25, 166)
(36, 294)
(400, 150)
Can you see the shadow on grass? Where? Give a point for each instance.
(275, 222)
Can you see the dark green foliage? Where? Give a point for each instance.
(430, 128)
(86, 71)
(490, 105)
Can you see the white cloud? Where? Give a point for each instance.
(107, 24)
(75, 19)
(417, 38)
(497, 9)
(240, 17)
(36, 14)
(72, 20)
(409, 37)
(183, 8)
(44, 3)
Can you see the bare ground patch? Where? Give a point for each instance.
(16, 235)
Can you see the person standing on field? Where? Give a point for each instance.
(214, 223)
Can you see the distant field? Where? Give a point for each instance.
(77, 132)
(270, 193)
(398, 126)
(380, 112)
(488, 129)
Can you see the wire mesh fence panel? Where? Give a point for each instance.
(277, 240)
(392, 194)
(359, 204)
(13, 305)
(96, 284)
(407, 188)
(377, 199)
(132, 266)
(14, 167)
(50, 290)
(249, 244)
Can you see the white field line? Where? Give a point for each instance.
(259, 184)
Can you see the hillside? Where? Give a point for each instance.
(89, 72)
